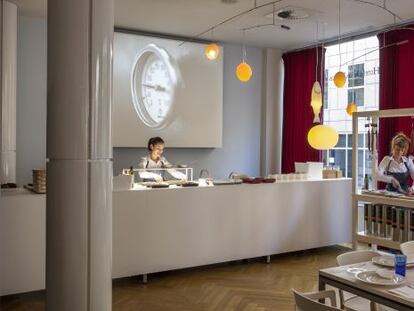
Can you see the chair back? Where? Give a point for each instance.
(355, 257)
(304, 303)
(407, 248)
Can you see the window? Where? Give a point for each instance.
(356, 75)
(362, 88)
(356, 83)
(325, 90)
(356, 96)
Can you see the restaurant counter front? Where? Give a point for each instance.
(164, 229)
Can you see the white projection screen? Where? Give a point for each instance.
(195, 116)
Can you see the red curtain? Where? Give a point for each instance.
(300, 74)
(396, 84)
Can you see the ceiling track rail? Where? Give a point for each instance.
(273, 3)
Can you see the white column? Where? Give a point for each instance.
(79, 148)
(8, 98)
(272, 112)
(1, 88)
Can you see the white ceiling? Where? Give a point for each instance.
(190, 17)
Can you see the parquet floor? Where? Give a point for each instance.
(243, 286)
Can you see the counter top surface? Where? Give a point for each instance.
(138, 187)
(11, 192)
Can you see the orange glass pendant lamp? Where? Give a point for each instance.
(212, 51)
(351, 108)
(244, 72)
(340, 79)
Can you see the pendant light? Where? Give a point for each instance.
(320, 136)
(316, 94)
(212, 50)
(316, 100)
(323, 137)
(340, 77)
(352, 106)
(243, 71)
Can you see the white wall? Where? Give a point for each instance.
(242, 113)
(31, 97)
(241, 125)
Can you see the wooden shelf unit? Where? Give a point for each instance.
(357, 196)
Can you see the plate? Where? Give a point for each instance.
(355, 270)
(386, 273)
(371, 277)
(386, 261)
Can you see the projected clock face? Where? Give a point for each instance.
(154, 82)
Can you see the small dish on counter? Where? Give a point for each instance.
(253, 180)
(223, 182)
(189, 184)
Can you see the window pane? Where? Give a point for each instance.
(356, 75)
(360, 166)
(356, 96)
(360, 141)
(342, 141)
(339, 156)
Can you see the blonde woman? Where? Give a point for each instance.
(396, 168)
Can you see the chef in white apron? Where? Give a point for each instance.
(396, 168)
(154, 159)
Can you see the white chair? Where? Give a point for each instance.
(407, 248)
(350, 258)
(309, 301)
(352, 302)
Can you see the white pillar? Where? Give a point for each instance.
(272, 113)
(79, 149)
(8, 98)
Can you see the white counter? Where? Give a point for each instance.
(22, 241)
(164, 229)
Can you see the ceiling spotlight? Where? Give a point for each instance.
(285, 27)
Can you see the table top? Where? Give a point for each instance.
(340, 275)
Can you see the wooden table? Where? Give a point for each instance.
(339, 277)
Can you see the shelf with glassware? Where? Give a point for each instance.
(388, 217)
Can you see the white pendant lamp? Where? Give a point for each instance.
(316, 101)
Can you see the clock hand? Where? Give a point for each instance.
(149, 86)
(155, 87)
(160, 88)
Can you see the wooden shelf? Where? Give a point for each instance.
(358, 197)
(379, 199)
(373, 239)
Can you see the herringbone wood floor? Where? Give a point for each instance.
(243, 286)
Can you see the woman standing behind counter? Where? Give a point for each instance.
(154, 159)
(396, 168)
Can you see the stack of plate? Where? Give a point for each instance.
(39, 181)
